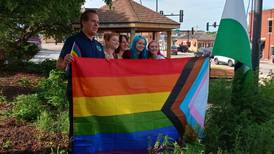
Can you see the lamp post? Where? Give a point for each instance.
(156, 5)
(256, 37)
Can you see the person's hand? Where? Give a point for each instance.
(68, 58)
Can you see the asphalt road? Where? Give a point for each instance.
(52, 51)
(266, 68)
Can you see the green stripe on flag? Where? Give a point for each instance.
(120, 124)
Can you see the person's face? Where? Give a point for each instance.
(140, 45)
(91, 25)
(124, 44)
(114, 42)
(153, 48)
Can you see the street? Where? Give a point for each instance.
(266, 68)
(52, 51)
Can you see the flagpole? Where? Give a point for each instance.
(256, 36)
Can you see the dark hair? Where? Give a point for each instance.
(120, 41)
(85, 16)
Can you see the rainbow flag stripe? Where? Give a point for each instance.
(75, 50)
(122, 106)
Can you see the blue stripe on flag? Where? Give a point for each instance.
(125, 141)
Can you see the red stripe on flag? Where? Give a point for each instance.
(92, 67)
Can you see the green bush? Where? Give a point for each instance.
(25, 82)
(240, 122)
(53, 90)
(42, 68)
(23, 53)
(27, 107)
(62, 123)
(47, 122)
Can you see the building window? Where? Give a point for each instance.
(269, 26)
(272, 51)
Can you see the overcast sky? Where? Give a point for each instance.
(196, 12)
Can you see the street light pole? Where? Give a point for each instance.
(256, 37)
(156, 5)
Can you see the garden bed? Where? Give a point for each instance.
(17, 136)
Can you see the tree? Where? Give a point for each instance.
(22, 19)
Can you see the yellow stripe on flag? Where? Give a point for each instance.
(118, 105)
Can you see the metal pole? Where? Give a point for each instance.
(156, 5)
(256, 38)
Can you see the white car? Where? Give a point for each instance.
(224, 60)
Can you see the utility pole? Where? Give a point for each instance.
(157, 6)
(256, 37)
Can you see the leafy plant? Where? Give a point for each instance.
(24, 82)
(27, 107)
(53, 90)
(62, 122)
(242, 123)
(6, 144)
(58, 151)
(2, 97)
(45, 122)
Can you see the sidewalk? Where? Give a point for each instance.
(48, 51)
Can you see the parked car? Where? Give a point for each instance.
(204, 51)
(174, 50)
(35, 40)
(224, 60)
(183, 48)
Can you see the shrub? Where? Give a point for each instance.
(42, 68)
(53, 90)
(242, 122)
(24, 82)
(62, 122)
(23, 53)
(27, 107)
(47, 122)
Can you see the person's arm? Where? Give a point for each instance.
(65, 57)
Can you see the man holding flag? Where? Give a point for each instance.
(82, 44)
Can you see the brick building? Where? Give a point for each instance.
(267, 34)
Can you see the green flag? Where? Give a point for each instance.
(232, 38)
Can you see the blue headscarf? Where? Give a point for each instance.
(133, 50)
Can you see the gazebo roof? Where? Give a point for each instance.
(129, 14)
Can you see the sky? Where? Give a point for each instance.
(196, 12)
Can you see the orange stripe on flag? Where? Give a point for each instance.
(95, 87)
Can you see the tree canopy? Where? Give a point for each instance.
(23, 19)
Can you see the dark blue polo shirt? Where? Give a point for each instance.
(88, 47)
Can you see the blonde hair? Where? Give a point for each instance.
(108, 35)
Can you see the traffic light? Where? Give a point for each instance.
(207, 26)
(161, 12)
(192, 31)
(181, 16)
(215, 24)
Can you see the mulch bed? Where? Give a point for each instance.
(19, 136)
(22, 137)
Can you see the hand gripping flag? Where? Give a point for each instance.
(121, 106)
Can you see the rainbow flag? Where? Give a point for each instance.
(122, 106)
(75, 51)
